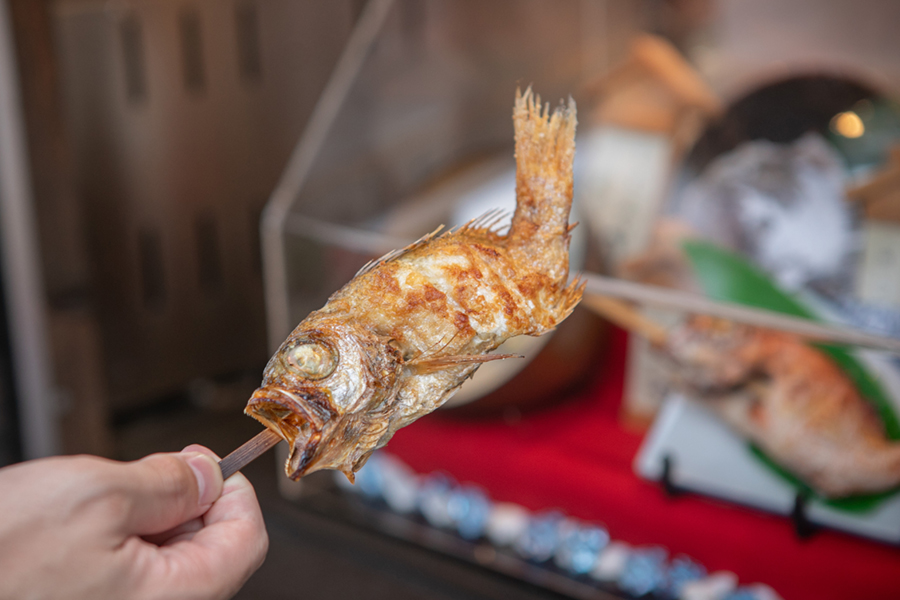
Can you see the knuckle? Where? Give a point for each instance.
(263, 547)
(261, 538)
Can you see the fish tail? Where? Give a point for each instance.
(545, 152)
(876, 471)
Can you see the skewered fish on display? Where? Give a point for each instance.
(790, 400)
(403, 335)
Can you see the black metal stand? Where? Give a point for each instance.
(666, 480)
(803, 527)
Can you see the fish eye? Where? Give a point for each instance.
(311, 360)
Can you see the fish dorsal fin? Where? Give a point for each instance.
(422, 366)
(395, 254)
(490, 222)
(493, 221)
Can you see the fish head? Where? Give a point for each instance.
(710, 354)
(324, 386)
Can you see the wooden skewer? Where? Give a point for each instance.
(627, 317)
(649, 295)
(248, 452)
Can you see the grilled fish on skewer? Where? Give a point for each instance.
(401, 337)
(790, 400)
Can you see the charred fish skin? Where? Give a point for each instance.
(790, 400)
(404, 334)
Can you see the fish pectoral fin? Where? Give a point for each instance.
(422, 366)
(349, 474)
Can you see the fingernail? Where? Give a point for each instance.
(209, 477)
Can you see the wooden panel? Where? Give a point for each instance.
(183, 115)
(71, 326)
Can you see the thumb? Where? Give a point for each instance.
(163, 491)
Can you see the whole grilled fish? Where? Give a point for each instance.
(399, 339)
(789, 399)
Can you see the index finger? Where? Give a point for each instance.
(227, 550)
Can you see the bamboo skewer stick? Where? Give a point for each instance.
(627, 317)
(651, 295)
(248, 452)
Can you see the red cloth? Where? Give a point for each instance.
(576, 457)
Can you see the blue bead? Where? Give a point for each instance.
(434, 495)
(682, 570)
(644, 572)
(541, 538)
(401, 485)
(579, 548)
(468, 508)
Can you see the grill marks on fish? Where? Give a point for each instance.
(459, 288)
(411, 327)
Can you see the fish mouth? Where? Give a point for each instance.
(298, 416)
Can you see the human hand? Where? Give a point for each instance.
(164, 526)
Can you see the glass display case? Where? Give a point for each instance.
(413, 131)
